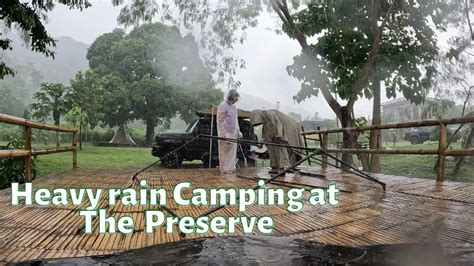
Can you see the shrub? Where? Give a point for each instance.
(100, 135)
(13, 169)
(434, 134)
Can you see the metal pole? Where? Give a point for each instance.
(212, 134)
(266, 181)
(134, 177)
(261, 142)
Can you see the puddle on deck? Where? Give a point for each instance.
(266, 250)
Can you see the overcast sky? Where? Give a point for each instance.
(266, 54)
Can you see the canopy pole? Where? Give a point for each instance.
(212, 134)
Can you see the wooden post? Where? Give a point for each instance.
(306, 145)
(74, 152)
(57, 139)
(28, 170)
(442, 146)
(325, 148)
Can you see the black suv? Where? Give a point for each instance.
(416, 136)
(199, 149)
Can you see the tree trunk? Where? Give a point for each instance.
(375, 135)
(348, 138)
(467, 145)
(80, 133)
(56, 117)
(150, 132)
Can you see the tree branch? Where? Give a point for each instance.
(282, 10)
(468, 19)
(361, 82)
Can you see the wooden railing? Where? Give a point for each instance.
(442, 151)
(28, 151)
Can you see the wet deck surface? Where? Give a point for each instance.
(410, 211)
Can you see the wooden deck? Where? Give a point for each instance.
(411, 210)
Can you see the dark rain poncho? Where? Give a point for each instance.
(278, 128)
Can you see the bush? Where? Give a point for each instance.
(434, 134)
(13, 170)
(100, 135)
(9, 132)
(138, 135)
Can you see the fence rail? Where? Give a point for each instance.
(442, 150)
(28, 152)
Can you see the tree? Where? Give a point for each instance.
(453, 85)
(154, 73)
(117, 106)
(85, 100)
(50, 100)
(77, 117)
(221, 24)
(353, 38)
(155, 102)
(356, 37)
(86, 92)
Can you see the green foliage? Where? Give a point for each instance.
(151, 74)
(117, 107)
(13, 170)
(100, 135)
(155, 101)
(138, 135)
(50, 100)
(85, 96)
(434, 134)
(219, 26)
(437, 108)
(454, 82)
(8, 132)
(76, 116)
(405, 61)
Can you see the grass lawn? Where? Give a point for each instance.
(96, 158)
(422, 167)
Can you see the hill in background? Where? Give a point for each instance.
(33, 68)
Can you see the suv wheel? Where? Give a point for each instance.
(172, 161)
(415, 140)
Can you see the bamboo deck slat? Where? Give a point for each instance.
(412, 210)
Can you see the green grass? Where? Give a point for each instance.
(96, 158)
(422, 167)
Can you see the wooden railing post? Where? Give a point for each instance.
(325, 148)
(28, 166)
(306, 145)
(442, 146)
(57, 139)
(74, 152)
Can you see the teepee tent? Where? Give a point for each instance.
(122, 137)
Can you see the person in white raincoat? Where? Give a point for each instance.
(228, 127)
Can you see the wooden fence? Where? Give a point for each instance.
(442, 151)
(28, 151)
